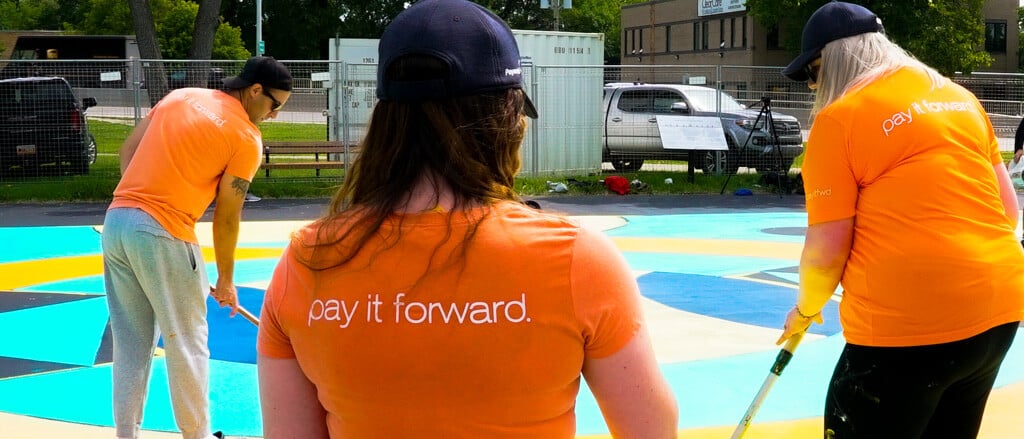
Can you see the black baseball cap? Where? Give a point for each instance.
(264, 70)
(835, 20)
(476, 46)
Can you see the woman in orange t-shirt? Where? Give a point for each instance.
(910, 208)
(430, 302)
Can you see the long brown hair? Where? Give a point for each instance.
(471, 143)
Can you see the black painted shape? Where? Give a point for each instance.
(19, 300)
(105, 354)
(15, 367)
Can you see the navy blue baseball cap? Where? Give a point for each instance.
(835, 20)
(264, 70)
(477, 47)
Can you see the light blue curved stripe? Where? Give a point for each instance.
(246, 271)
(32, 243)
(711, 265)
(735, 226)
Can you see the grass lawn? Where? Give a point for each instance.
(104, 174)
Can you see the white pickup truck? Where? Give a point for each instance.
(631, 132)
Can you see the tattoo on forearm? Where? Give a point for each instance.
(241, 186)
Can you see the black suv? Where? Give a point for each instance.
(41, 122)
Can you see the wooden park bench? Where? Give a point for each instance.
(325, 155)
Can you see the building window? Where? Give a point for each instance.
(995, 37)
(773, 39)
(668, 38)
(705, 34)
(732, 32)
(721, 32)
(744, 44)
(696, 35)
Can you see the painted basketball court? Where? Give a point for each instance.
(718, 276)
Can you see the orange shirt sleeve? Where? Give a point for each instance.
(830, 187)
(245, 159)
(272, 340)
(605, 295)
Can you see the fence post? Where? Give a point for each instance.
(526, 63)
(136, 69)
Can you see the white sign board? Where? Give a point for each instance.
(699, 133)
(110, 76)
(320, 76)
(715, 7)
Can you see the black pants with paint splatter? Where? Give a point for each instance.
(932, 391)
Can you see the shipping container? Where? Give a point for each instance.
(564, 77)
(562, 73)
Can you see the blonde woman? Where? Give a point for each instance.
(911, 210)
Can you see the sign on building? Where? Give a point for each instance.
(715, 7)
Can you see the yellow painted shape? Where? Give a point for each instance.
(1002, 420)
(14, 275)
(1003, 413)
(720, 247)
(801, 428)
(21, 274)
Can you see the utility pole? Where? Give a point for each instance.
(259, 27)
(556, 5)
(650, 35)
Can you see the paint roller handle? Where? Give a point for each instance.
(248, 316)
(241, 310)
(786, 353)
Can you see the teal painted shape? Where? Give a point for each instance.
(735, 226)
(234, 397)
(86, 285)
(78, 395)
(717, 392)
(246, 270)
(1012, 370)
(31, 243)
(709, 265)
(64, 333)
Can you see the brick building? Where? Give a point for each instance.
(689, 32)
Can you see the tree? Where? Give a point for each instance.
(1020, 33)
(319, 21)
(602, 16)
(946, 34)
(365, 19)
(149, 48)
(206, 23)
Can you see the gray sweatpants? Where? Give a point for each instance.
(156, 284)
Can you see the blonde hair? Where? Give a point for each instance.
(849, 62)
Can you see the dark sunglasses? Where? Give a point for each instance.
(812, 71)
(277, 104)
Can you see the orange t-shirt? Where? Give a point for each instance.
(934, 257)
(404, 341)
(195, 136)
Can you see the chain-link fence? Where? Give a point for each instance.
(332, 101)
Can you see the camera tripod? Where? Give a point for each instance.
(764, 118)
